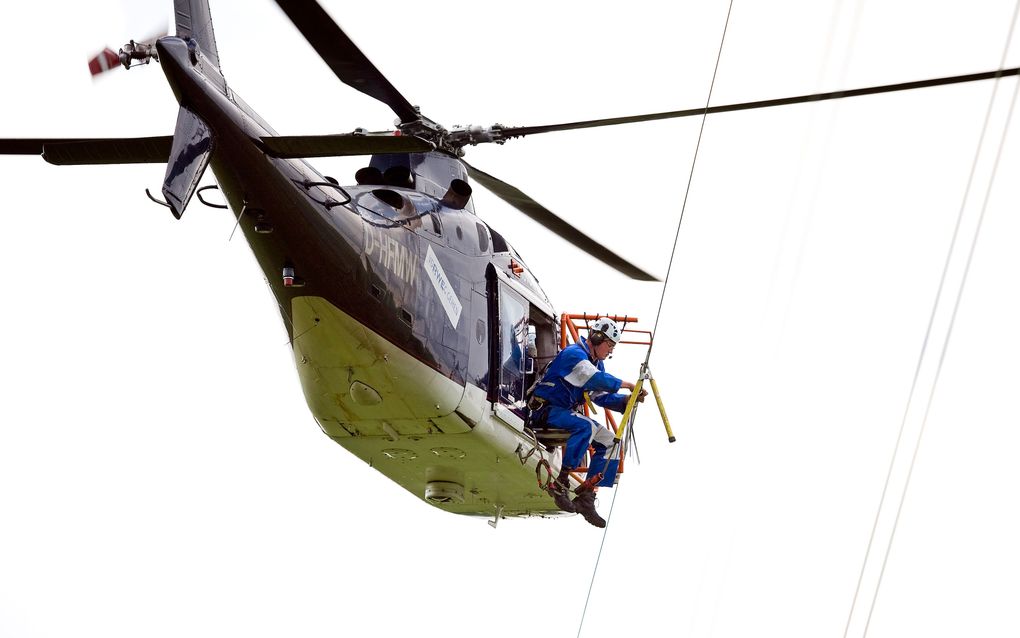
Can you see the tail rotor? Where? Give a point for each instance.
(130, 55)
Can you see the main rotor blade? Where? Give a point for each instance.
(107, 150)
(522, 202)
(344, 57)
(520, 131)
(291, 146)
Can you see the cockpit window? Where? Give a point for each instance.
(499, 244)
(513, 337)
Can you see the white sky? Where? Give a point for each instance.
(160, 474)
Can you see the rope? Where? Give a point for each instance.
(665, 282)
(927, 335)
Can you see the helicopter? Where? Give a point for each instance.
(387, 285)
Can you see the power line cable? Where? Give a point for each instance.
(945, 347)
(665, 282)
(598, 559)
(690, 178)
(920, 361)
(927, 336)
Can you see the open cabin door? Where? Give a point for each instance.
(523, 339)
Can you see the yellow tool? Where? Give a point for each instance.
(662, 409)
(646, 373)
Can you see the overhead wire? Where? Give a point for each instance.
(665, 283)
(690, 180)
(945, 344)
(927, 337)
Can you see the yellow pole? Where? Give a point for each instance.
(662, 410)
(630, 408)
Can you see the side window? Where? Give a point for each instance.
(483, 237)
(513, 343)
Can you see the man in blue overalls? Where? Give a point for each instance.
(557, 403)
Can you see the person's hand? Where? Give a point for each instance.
(627, 385)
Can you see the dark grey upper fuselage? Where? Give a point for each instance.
(363, 248)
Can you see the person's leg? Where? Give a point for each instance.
(602, 443)
(581, 430)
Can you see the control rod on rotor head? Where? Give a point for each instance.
(461, 136)
(425, 129)
(451, 141)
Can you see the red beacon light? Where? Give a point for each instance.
(290, 280)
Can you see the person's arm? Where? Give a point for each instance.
(616, 401)
(584, 374)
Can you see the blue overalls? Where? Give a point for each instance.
(573, 372)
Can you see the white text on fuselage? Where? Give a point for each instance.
(392, 254)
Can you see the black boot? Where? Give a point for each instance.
(584, 505)
(560, 491)
(561, 496)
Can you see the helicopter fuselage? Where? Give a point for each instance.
(409, 317)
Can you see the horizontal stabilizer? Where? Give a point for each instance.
(189, 156)
(106, 150)
(296, 146)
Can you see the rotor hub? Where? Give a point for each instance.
(135, 53)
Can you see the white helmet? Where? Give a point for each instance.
(608, 327)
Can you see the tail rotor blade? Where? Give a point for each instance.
(104, 61)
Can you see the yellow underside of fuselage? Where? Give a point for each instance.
(438, 439)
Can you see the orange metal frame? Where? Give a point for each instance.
(571, 326)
